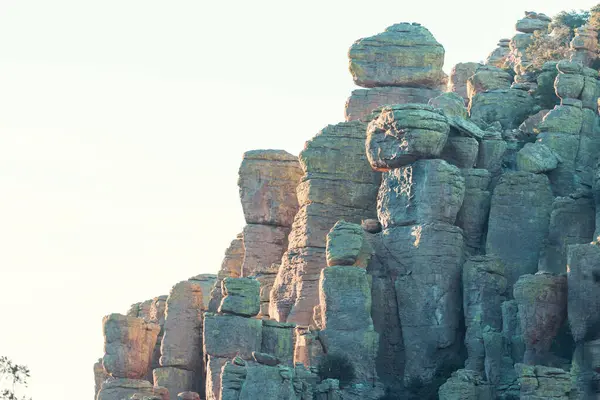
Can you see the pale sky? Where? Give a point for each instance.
(122, 127)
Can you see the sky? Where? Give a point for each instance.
(122, 127)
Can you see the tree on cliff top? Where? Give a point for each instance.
(12, 377)
(571, 19)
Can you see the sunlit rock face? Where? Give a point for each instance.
(440, 240)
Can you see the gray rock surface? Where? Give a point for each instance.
(176, 380)
(542, 302)
(536, 158)
(571, 222)
(128, 346)
(347, 245)
(510, 107)
(402, 134)
(583, 275)
(539, 382)
(241, 297)
(465, 385)
(267, 183)
(424, 192)
(474, 212)
(461, 151)
(403, 55)
(182, 341)
(459, 75)
(362, 102)
(122, 388)
(523, 197)
(484, 291)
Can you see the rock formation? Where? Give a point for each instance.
(439, 242)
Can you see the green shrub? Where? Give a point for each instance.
(336, 366)
(554, 47)
(571, 19)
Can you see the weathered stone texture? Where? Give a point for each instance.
(484, 291)
(362, 102)
(427, 261)
(538, 382)
(242, 297)
(402, 134)
(475, 209)
(121, 388)
(465, 385)
(572, 221)
(510, 107)
(230, 267)
(206, 282)
(459, 75)
(267, 182)
(424, 192)
(583, 273)
(347, 245)
(176, 380)
(542, 301)
(182, 341)
(404, 55)
(128, 345)
(519, 220)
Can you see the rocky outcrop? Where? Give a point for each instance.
(465, 385)
(402, 134)
(206, 282)
(585, 45)
(539, 382)
(426, 191)
(542, 302)
(347, 244)
(241, 297)
(181, 348)
(128, 346)
(362, 102)
(484, 291)
(473, 214)
(459, 76)
(230, 267)
(122, 388)
(338, 185)
(524, 197)
(267, 184)
(572, 221)
(498, 57)
(404, 55)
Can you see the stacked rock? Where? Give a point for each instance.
(181, 348)
(418, 202)
(345, 308)
(338, 183)
(401, 65)
(206, 282)
(267, 184)
(542, 303)
(585, 45)
(524, 38)
(539, 382)
(128, 346)
(484, 291)
(245, 354)
(570, 130)
(230, 267)
(525, 197)
(584, 315)
(498, 57)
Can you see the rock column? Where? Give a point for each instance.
(181, 348)
(401, 65)
(418, 202)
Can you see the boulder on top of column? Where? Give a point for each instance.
(128, 345)
(347, 245)
(241, 296)
(402, 134)
(267, 183)
(403, 55)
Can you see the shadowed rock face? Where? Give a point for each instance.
(426, 191)
(404, 55)
(526, 198)
(583, 272)
(129, 343)
(542, 301)
(484, 291)
(182, 341)
(267, 183)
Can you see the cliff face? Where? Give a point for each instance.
(439, 243)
